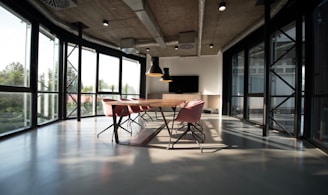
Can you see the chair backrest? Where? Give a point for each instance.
(193, 102)
(143, 108)
(191, 112)
(107, 107)
(132, 109)
(108, 111)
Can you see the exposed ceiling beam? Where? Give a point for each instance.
(146, 16)
(200, 25)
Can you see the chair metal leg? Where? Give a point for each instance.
(130, 120)
(146, 113)
(126, 130)
(113, 133)
(125, 121)
(194, 135)
(156, 114)
(143, 116)
(198, 125)
(183, 134)
(200, 146)
(134, 120)
(104, 130)
(195, 127)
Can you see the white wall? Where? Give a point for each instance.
(208, 68)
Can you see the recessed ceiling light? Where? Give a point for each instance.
(222, 6)
(105, 23)
(211, 45)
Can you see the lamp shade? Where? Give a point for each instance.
(166, 77)
(154, 70)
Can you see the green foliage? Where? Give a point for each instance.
(72, 82)
(127, 89)
(50, 84)
(11, 105)
(12, 74)
(87, 89)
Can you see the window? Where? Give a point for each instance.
(88, 81)
(108, 79)
(256, 84)
(283, 77)
(109, 74)
(101, 74)
(15, 96)
(72, 80)
(15, 52)
(47, 77)
(238, 84)
(130, 78)
(319, 128)
(256, 64)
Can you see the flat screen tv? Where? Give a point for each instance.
(184, 84)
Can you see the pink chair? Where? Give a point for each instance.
(144, 110)
(191, 114)
(132, 109)
(108, 111)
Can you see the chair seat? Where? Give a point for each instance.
(108, 112)
(144, 110)
(191, 114)
(132, 109)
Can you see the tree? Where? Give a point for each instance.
(12, 74)
(72, 79)
(11, 104)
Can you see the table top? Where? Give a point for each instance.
(148, 102)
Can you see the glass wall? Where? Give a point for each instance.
(319, 119)
(237, 92)
(15, 53)
(282, 71)
(105, 72)
(15, 93)
(88, 81)
(109, 74)
(48, 88)
(108, 87)
(108, 79)
(283, 77)
(72, 72)
(256, 83)
(130, 78)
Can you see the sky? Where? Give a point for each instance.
(12, 36)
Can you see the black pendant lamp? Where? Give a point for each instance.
(154, 70)
(166, 77)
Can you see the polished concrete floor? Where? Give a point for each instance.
(68, 158)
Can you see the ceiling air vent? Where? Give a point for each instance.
(186, 40)
(60, 4)
(128, 46)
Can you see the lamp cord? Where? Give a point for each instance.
(217, 24)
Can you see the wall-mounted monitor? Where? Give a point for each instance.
(184, 84)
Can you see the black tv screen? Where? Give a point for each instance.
(184, 84)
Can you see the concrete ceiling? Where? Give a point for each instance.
(159, 25)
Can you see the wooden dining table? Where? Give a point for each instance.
(154, 103)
